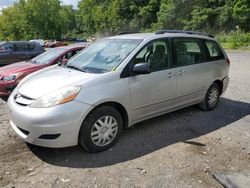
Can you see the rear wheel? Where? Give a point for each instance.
(101, 129)
(212, 98)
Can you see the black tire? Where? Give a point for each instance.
(206, 104)
(4, 98)
(85, 139)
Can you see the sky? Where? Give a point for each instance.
(5, 3)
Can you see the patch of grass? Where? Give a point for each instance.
(234, 40)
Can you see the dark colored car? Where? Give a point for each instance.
(12, 74)
(11, 52)
(80, 40)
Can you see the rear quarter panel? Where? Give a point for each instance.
(221, 69)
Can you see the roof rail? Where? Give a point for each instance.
(127, 32)
(182, 31)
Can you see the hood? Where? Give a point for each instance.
(51, 79)
(17, 67)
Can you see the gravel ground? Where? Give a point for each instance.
(180, 149)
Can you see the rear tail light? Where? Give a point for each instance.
(228, 61)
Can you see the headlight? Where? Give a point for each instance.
(11, 77)
(60, 96)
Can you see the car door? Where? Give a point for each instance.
(21, 51)
(153, 94)
(193, 72)
(6, 53)
(31, 52)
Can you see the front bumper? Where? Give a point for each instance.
(50, 127)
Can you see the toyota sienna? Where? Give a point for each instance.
(115, 83)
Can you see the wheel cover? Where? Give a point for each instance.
(213, 97)
(104, 131)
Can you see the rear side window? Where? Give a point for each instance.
(188, 52)
(6, 47)
(21, 47)
(214, 50)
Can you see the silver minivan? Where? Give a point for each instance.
(115, 83)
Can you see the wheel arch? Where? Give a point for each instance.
(119, 107)
(220, 84)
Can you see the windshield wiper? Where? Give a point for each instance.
(74, 67)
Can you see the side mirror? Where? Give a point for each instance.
(63, 62)
(141, 68)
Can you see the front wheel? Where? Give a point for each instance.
(101, 129)
(212, 98)
(4, 98)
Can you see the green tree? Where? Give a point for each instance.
(211, 15)
(241, 12)
(13, 23)
(86, 13)
(28, 19)
(174, 14)
(44, 17)
(67, 20)
(113, 16)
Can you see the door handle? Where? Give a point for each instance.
(170, 75)
(181, 72)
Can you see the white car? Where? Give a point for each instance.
(115, 83)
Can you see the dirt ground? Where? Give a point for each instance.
(180, 149)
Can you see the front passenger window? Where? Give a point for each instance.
(156, 54)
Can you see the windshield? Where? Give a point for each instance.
(46, 57)
(104, 56)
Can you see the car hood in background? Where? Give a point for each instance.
(18, 67)
(52, 79)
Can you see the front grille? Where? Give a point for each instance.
(22, 100)
(23, 131)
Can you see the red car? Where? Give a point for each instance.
(11, 75)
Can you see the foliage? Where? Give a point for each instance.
(28, 19)
(234, 40)
(211, 16)
(241, 12)
(174, 14)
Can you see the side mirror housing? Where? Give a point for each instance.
(141, 68)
